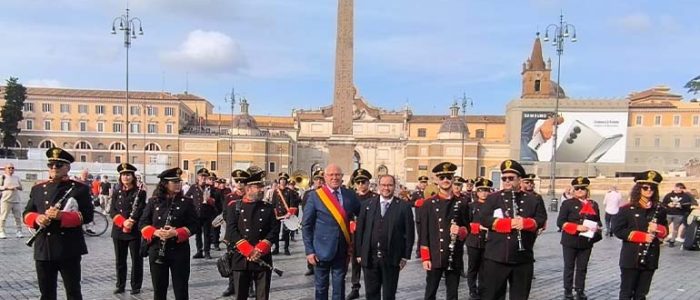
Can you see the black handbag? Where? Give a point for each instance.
(225, 264)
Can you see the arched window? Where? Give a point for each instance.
(479, 133)
(152, 147)
(100, 146)
(46, 144)
(382, 170)
(82, 145)
(168, 147)
(117, 146)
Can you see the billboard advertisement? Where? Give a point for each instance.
(582, 137)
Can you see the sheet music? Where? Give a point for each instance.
(592, 228)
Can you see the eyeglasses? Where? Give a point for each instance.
(482, 190)
(580, 188)
(508, 178)
(646, 188)
(528, 182)
(56, 164)
(361, 181)
(445, 177)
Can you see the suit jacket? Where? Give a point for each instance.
(322, 234)
(398, 220)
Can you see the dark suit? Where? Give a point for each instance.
(324, 238)
(380, 263)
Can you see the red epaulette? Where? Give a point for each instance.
(41, 182)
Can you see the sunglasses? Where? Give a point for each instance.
(483, 190)
(11, 168)
(361, 181)
(55, 164)
(445, 177)
(646, 188)
(580, 188)
(508, 178)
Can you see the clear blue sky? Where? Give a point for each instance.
(280, 53)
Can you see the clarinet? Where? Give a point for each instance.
(515, 215)
(161, 251)
(644, 256)
(453, 237)
(31, 240)
(134, 207)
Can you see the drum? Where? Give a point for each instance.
(292, 223)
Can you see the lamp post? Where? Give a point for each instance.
(466, 101)
(146, 112)
(561, 32)
(127, 24)
(231, 98)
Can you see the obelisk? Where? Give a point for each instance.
(341, 144)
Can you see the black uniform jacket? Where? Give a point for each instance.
(476, 237)
(504, 247)
(58, 242)
(122, 210)
(633, 218)
(398, 223)
(436, 216)
(256, 224)
(205, 208)
(569, 212)
(415, 195)
(183, 219)
(291, 197)
(233, 203)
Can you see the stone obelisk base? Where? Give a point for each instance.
(341, 149)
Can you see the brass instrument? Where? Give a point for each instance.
(301, 178)
(430, 190)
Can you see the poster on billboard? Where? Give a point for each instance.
(583, 137)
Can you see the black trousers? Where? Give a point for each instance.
(47, 275)
(498, 276)
(475, 277)
(205, 231)
(286, 234)
(575, 259)
(177, 264)
(635, 283)
(356, 272)
(215, 235)
(121, 249)
(432, 282)
(381, 281)
(261, 280)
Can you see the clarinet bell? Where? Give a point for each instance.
(160, 260)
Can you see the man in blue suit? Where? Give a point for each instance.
(326, 232)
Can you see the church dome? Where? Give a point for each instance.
(454, 127)
(553, 91)
(244, 122)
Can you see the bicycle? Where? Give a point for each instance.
(98, 226)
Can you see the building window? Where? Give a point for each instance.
(479, 133)
(657, 120)
(83, 158)
(28, 107)
(100, 127)
(117, 146)
(118, 159)
(169, 111)
(118, 110)
(422, 167)
(65, 125)
(152, 111)
(46, 107)
(537, 85)
(676, 120)
(638, 120)
(82, 145)
(100, 109)
(133, 159)
(46, 144)
(185, 165)
(100, 158)
(696, 120)
(482, 171)
(135, 127)
(152, 128)
(169, 128)
(212, 165)
(677, 143)
(83, 126)
(135, 111)
(152, 147)
(657, 142)
(82, 108)
(47, 125)
(65, 108)
(29, 125)
(272, 167)
(117, 127)
(422, 132)
(637, 142)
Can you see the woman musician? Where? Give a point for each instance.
(579, 221)
(127, 204)
(476, 240)
(641, 225)
(167, 222)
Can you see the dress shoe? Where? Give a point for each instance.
(671, 244)
(354, 294)
(580, 295)
(228, 293)
(309, 272)
(474, 296)
(276, 251)
(207, 255)
(568, 295)
(118, 291)
(286, 252)
(135, 291)
(198, 255)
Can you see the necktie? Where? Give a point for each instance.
(385, 206)
(336, 193)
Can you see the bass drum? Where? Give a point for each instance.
(292, 223)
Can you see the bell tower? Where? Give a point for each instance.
(536, 74)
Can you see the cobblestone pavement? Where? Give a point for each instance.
(677, 278)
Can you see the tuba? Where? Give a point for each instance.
(301, 178)
(431, 190)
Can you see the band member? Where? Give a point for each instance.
(457, 185)
(286, 203)
(579, 222)
(444, 224)
(383, 221)
(58, 208)
(417, 198)
(476, 240)
(128, 203)
(513, 218)
(219, 194)
(469, 193)
(318, 182)
(641, 225)
(361, 179)
(327, 214)
(527, 185)
(233, 205)
(204, 201)
(167, 223)
(251, 231)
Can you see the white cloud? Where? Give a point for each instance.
(43, 82)
(208, 52)
(637, 22)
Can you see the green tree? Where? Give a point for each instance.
(15, 94)
(693, 85)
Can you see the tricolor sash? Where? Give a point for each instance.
(333, 205)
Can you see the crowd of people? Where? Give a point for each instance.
(373, 230)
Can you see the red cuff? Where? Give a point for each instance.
(210, 201)
(661, 231)
(529, 224)
(231, 202)
(353, 226)
(502, 225)
(462, 234)
(118, 220)
(475, 228)
(70, 219)
(424, 253)
(570, 228)
(264, 247)
(183, 234)
(638, 237)
(292, 210)
(30, 219)
(244, 247)
(147, 232)
(419, 202)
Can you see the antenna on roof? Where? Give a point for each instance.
(187, 82)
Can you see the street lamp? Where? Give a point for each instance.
(561, 32)
(231, 98)
(147, 109)
(466, 101)
(127, 24)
